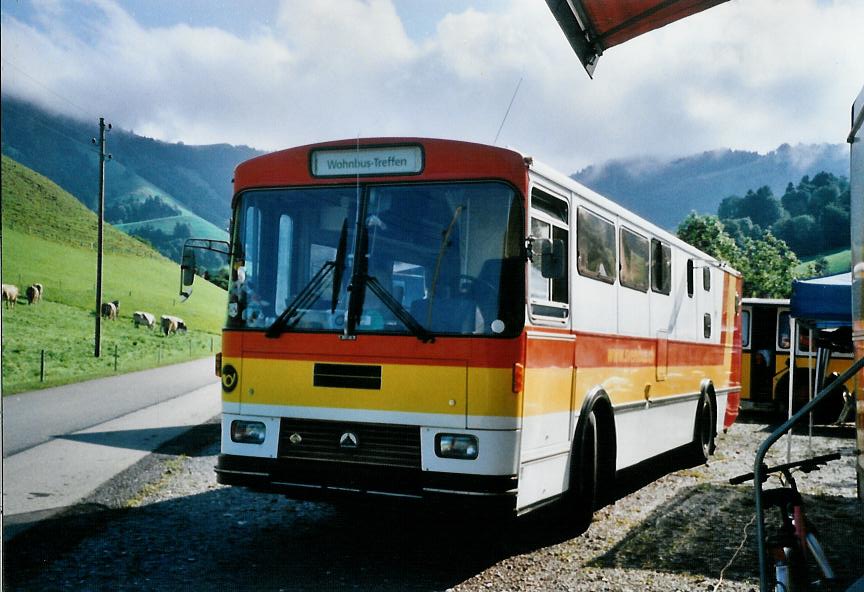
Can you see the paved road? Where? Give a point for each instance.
(33, 418)
(62, 443)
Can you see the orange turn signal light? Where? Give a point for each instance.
(518, 377)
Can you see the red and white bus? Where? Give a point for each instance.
(440, 319)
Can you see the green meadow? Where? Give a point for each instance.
(49, 237)
(838, 262)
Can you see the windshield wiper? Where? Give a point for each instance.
(399, 310)
(312, 290)
(357, 289)
(309, 294)
(339, 266)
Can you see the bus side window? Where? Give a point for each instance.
(661, 267)
(706, 278)
(634, 260)
(595, 246)
(549, 220)
(690, 280)
(783, 330)
(745, 329)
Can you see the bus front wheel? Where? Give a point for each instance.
(584, 481)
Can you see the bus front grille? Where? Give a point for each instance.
(362, 443)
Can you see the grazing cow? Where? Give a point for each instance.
(143, 318)
(10, 295)
(109, 311)
(168, 324)
(33, 294)
(171, 324)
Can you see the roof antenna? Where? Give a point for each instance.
(513, 98)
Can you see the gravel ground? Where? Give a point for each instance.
(166, 525)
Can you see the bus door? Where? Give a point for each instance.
(763, 358)
(547, 403)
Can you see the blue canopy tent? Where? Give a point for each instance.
(823, 303)
(824, 307)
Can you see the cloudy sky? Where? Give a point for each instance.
(748, 74)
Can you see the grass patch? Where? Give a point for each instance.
(172, 466)
(69, 347)
(838, 262)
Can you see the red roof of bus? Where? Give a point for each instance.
(443, 160)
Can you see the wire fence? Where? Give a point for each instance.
(31, 368)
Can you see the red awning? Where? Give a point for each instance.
(593, 26)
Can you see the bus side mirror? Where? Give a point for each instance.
(188, 265)
(187, 271)
(551, 256)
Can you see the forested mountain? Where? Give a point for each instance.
(192, 182)
(664, 192)
(812, 216)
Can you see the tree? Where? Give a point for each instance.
(801, 233)
(794, 201)
(730, 208)
(823, 197)
(766, 263)
(708, 234)
(741, 228)
(762, 207)
(834, 225)
(182, 230)
(770, 267)
(820, 268)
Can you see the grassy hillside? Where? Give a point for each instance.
(49, 237)
(199, 227)
(838, 262)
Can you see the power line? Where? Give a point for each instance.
(24, 73)
(48, 126)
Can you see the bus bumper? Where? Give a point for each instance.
(315, 480)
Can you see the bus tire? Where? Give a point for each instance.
(703, 432)
(585, 477)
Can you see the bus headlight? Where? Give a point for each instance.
(248, 432)
(462, 446)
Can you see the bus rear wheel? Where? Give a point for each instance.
(703, 434)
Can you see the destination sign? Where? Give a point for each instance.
(350, 162)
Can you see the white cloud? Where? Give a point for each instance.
(745, 75)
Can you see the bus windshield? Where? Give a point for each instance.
(434, 258)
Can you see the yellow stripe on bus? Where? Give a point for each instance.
(457, 390)
(406, 388)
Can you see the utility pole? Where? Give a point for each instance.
(102, 156)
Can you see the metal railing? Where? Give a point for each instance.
(759, 466)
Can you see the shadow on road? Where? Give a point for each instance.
(143, 439)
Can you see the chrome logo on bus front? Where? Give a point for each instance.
(349, 440)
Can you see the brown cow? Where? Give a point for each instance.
(109, 310)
